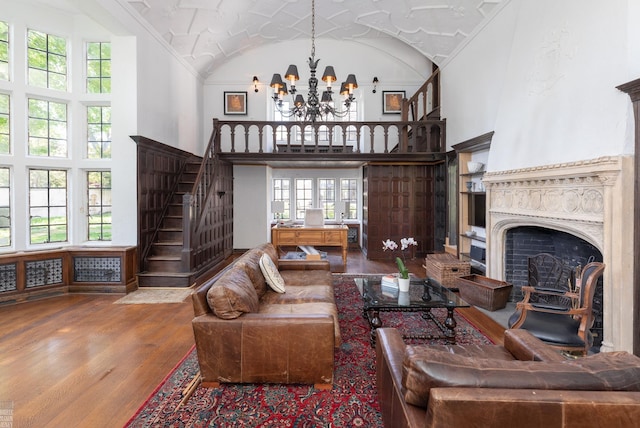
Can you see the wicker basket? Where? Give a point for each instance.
(445, 268)
(487, 293)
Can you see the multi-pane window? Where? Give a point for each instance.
(47, 60)
(98, 132)
(98, 68)
(47, 128)
(47, 206)
(282, 192)
(5, 207)
(281, 131)
(304, 196)
(327, 197)
(4, 51)
(5, 124)
(349, 195)
(352, 116)
(99, 205)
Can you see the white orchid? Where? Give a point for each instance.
(389, 245)
(404, 244)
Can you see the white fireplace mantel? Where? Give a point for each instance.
(590, 199)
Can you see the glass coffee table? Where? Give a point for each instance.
(423, 296)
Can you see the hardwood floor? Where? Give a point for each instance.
(80, 360)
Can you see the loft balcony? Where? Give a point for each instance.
(355, 143)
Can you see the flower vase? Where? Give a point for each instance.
(403, 284)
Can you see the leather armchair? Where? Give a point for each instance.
(564, 327)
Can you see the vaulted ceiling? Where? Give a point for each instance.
(208, 32)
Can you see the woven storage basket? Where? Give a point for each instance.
(445, 268)
(487, 293)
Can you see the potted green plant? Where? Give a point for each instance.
(403, 272)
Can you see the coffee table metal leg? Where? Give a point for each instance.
(450, 323)
(373, 316)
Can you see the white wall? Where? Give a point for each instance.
(251, 202)
(405, 70)
(542, 75)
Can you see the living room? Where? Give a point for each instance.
(536, 75)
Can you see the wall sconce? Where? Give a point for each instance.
(375, 84)
(255, 83)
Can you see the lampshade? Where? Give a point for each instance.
(329, 75)
(277, 207)
(276, 81)
(299, 101)
(326, 97)
(283, 90)
(292, 73)
(351, 81)
(343, 89)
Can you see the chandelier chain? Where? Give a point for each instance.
(313, 29)
(317, 106)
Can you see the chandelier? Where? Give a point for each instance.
(316, 107)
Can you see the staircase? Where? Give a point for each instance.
(164, 262)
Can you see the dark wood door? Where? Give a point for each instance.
(399, 204)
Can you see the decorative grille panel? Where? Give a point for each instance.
(8, 280)
(43, 272)
(97, 269)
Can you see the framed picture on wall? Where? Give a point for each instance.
(235, 103)
(392, 102)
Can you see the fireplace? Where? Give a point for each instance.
(526, 244)
(577, 210)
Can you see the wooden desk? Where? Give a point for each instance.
(331, 235)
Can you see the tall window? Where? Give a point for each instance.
(47, 60)
(349, 195)
(327, 197)
(4, 51)
(5, 124)
(282, 192)
(304, 196)
(5, 207)
(281, 131)
(47, 128)
(98, 68)
(99, 132)
(47, 206)
(99, 205)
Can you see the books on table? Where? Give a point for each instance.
(389, 285)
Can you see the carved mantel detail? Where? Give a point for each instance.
(589, 199)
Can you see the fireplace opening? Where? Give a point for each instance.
(525, 242)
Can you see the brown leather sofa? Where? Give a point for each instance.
(259, 335)
(524, 383)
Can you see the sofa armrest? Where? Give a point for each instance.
(526, 347)
(390, 350)
(275, 348)
(286, 264)
(493, 407)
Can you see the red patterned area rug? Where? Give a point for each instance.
(352, 402)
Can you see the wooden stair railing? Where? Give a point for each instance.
(196, 205)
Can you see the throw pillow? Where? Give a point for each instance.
(233, 295)
(271, 274)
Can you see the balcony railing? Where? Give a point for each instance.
(403, 137)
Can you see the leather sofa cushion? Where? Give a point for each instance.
(425, 368)
(317, 308)
(300, 294)
(250, 262)
(233, 294)
(307, 277)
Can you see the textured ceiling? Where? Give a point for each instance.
(208, 32)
